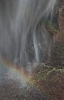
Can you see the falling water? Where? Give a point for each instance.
(23, 39)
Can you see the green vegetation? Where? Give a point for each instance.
(50, 81)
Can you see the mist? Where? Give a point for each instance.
(24, 39)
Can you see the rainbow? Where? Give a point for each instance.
(15, 69)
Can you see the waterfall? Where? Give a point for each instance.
(23, 40)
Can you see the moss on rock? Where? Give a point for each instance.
(50, 81)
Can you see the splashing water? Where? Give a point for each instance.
(23, 39)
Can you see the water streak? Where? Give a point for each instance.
(22, 40)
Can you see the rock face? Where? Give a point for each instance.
(11, 90)
(61, 18)
(50, 81)
(57, 57)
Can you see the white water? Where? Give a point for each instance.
(20, 39)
